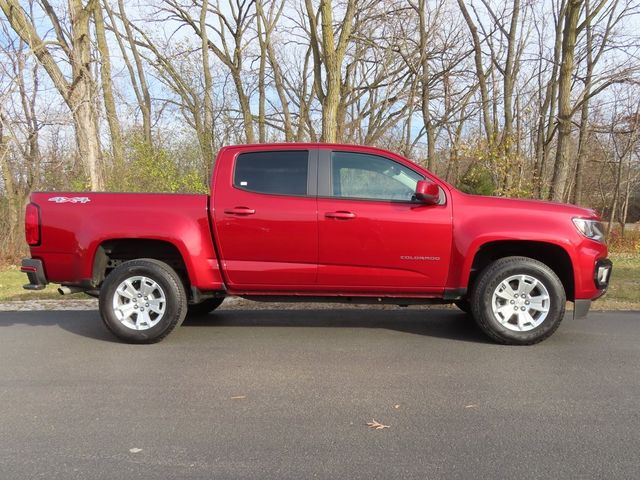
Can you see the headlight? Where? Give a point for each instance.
(592, 229)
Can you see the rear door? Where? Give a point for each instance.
(265, 218)
(373, 238)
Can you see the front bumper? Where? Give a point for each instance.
(601, 276)
(35, 271)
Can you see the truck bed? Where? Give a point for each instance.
(75, 224)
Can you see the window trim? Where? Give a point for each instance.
(312, 172)
(325, 184)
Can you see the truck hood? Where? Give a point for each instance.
(527, 205)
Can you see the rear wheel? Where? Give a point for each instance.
(142, 301)
(204, 307)
(518, 301)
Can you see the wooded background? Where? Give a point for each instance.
(517, 98)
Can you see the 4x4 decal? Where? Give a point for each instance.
(70, 199)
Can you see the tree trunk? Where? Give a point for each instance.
(331, 56)
(245, 106)
(262, 67)
(142, 90)
(480, 72)
(117, 147)
(510, 70)
(207, 147)
(332, 70)
(81, 92)
(582, 147)
(426, 87)
(546, 122)
(624, 211)
(304, 117)
(559, 180)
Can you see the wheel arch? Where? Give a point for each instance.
(552, 255)
(112, 252)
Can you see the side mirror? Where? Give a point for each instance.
(427, 192)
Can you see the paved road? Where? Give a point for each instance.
(76, 404)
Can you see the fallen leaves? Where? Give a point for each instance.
(374, 424)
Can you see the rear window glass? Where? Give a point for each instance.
(282, 173)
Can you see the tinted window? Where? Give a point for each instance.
(358, 175)
(283, 173)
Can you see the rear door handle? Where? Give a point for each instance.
(239, 211)
(342, 215)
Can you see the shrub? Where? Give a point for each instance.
(477, 180)
(151, 169)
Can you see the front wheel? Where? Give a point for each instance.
(518, 301)
(142, 301)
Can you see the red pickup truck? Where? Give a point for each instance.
(318, 222)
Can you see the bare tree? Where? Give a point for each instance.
(481, 71)
(328, 57)
(545, 128)
(78, 90)
(137, 75)
(20, 125)
(565, 108)
(225, 29)
(117, 147)
(599, 38)
(523, 91)
(267, 21)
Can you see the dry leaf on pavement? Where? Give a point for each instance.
(376, 425)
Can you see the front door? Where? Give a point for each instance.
(373, 238)
(265, 214)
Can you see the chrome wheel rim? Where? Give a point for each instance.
(139, 303)
(520, 303)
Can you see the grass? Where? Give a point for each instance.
(12, 280)
(624, 287)
(623, 294)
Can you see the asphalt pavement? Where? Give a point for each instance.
(287, 394)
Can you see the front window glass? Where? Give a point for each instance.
(359, 175)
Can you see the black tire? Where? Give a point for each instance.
(487, 284)
(463, 304)
(204, 307)
(168, 283)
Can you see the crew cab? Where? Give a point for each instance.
(318, 222)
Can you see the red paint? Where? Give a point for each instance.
(307, 245)
(427, 192)
(72, 232)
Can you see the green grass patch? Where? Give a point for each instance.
(12, 280)
(623, 294)
(624, 287)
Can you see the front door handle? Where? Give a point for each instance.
(342, 215)
(239, 211)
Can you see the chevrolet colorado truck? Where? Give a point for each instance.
(318, 222)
